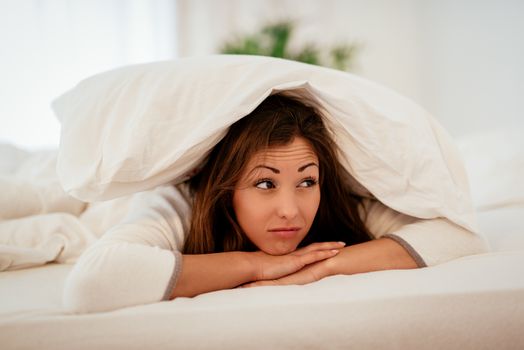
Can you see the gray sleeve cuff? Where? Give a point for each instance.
(174, 277)
(416, 256)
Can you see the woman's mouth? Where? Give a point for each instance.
(285, 232)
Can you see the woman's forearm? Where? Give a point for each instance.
(203, 273)
(375, 255)
(209, 272)
(379, 254)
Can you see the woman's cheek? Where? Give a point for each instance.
(251, 209)
(311, 204)
(258, 208)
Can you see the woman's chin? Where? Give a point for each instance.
(279, 249)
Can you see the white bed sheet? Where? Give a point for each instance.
(475, 302)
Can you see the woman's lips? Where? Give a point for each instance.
(285, 232)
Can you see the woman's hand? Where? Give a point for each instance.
(375, 255)
(269, 268)
(310, 273)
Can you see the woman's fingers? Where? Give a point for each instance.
(260, 284)
(269, 267)
(319, 247)
(318, 255)
(309, 273)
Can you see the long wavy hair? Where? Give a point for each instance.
(275, 122)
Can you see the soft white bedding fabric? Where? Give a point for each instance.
(39, 222)
(138, 127)
(30, 186)
(475, 302)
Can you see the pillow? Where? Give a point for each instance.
(141, 126)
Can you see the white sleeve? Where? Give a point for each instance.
(135, 262)
(429, 241)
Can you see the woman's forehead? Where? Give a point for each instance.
(298, 151)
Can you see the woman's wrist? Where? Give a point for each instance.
(250, 262)
(203, 273)
(332, 266)
(375, 255)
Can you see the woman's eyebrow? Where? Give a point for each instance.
(276, 171)
(302, 168)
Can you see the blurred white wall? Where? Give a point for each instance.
(386, 30)
(473, 63)
(47, 46)
(460, 59)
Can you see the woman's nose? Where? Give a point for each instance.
(287, 206)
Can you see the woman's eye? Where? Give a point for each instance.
(308, 183)
(265, 184)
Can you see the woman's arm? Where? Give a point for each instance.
(209, 272)
(376, 255)
(423, 242)
(135, 260)
(429, 241)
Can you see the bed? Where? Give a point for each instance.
(476, 302)
(473, 302)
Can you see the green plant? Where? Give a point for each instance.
(273, 40)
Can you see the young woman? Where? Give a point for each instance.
(271, 205)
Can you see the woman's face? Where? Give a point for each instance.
(278, 195)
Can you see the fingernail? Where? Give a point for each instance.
(341, 243)
(335, 251)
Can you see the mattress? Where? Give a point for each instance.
(475, 302)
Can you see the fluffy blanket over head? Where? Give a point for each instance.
(141, 126)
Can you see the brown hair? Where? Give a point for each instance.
(275, 122)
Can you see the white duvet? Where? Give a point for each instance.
(138, 127)
(39, 222)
